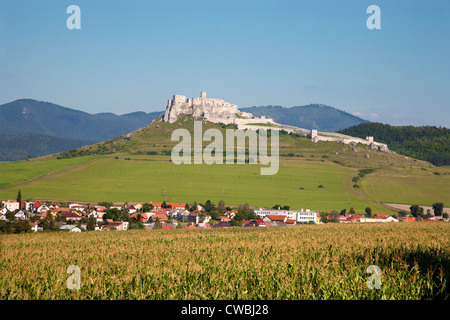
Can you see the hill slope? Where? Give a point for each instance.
(21, 146)
(313, 116)
(27, 116)
(138, 167)
(426, 143)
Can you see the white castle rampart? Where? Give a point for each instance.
(342, 138)
(221, 111)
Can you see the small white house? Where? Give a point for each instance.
(71, 228)
(77, 207)
(42, 207)
(378, 219)
(20, 215)
(34, 226)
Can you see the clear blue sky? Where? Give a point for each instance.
(134, 55)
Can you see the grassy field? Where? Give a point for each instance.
(407, 186)
(298, 262)
(20, 171)
(139, 179)
(136, 176)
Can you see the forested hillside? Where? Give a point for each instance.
(21, 146)
(426, 143)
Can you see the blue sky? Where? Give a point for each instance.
(134, 55)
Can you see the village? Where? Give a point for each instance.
(25, 216)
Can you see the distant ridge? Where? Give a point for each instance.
(21, 146)
(27, 116)
(312, 116)
(36, 128)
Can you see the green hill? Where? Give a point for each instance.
(27, 116)
(427, 143)
(138, 167)
(21, 146)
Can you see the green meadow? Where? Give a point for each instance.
(299, 184)
(23, 171)
(316, 176)
(408, 186)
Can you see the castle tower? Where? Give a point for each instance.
(203, 94)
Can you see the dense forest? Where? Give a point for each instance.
(426, 143)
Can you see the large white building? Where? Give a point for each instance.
(11, 205)
(297, 215)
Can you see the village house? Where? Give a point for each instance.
(73, 215)
(174, 213)
(303, 216)
(100, 208)
(204, 225)
(11, 205)
(223, 218)
(20, 214)
(194, 217)
(173, 205)
(27, 205)
(275, 218)
(406, 219)
(160, 215)
(224, 224)
(77, 207)
(379, 218)
(42, 207)
(184, 215)
(230, 214)
(258, 223)
(144, 217)
(351, 218)
(70, 228)
(35, 227)
(119, 225)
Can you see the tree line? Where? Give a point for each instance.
(429, 143)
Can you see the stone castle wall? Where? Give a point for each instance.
(341, 138)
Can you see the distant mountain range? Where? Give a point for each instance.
(21, 146)
(313, 116)
(28, 116)
(30, 128)
(36, 128)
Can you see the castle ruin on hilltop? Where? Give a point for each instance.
(221, 111)
(213, 110)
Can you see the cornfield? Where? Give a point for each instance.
(292, 262)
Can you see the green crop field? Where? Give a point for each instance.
(293, 262)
